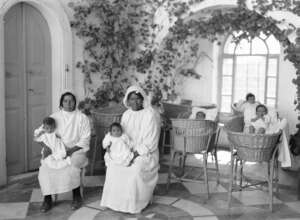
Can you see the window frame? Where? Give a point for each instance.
(233, 56)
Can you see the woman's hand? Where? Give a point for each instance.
(46, 150)
(70, 151)
(135, 155)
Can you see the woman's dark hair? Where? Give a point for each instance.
(249, 95)
(115, 124)
(262, 106)
(49, 121)
(136, 93)
(67, 94)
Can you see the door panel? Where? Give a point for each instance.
(14, 92)
(38, 61)
(28, 87)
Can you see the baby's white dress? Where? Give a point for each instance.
(120, 150)
(57, 159)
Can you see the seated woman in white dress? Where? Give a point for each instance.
(74, 129)
(129, 189)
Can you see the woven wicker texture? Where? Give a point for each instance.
(193, 136)
(105, 117)
(251, 147)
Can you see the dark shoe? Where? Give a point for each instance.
(46, 206)
(76, 203)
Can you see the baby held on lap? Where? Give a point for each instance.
(46, 134)
(118, 146)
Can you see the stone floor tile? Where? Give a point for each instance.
(14, 210)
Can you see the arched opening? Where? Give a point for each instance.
(249, 66)
(27, 84)
(61, 60)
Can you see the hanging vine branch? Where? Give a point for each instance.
(120, 39)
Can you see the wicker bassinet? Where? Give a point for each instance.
(193, 136)
(251, 147)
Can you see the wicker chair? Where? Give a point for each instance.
(103, 119)
(193, 137)
(252, 148)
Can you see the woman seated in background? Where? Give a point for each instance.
(248, 107)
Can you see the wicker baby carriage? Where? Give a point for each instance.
(193, 137)
(103, 118)
(252, 148)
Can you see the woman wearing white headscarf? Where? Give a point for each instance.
(129, 189)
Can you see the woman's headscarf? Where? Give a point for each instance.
(136, 89)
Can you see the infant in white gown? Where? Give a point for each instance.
(46, 134)
(118, 145)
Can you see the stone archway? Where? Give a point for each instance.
(61, 43)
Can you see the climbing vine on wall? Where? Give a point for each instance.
(120, 42)
(248, 23)
(120, 39)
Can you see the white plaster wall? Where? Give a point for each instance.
(287, 93)
(200, 90)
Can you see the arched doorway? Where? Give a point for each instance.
(27, 84)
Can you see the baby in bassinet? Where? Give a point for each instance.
(261, 122)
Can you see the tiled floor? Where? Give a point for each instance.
(22, 199)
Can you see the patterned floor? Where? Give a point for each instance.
(22, 200)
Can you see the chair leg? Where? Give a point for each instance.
(94, 157)
(271, 184)
(182, 164)
(205, 173)
(173, 154)
(162, 149)
(236, 161)
(276, 176)
(55, 198)
(82, 175)
(217, 167)
(241, 174)
(230, 179)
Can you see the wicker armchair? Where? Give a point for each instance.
(252, 148)
(193, 137)
(102, 120)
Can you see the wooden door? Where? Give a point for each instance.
(27, 84)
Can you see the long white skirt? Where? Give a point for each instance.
(129, 189)
(56, 181)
